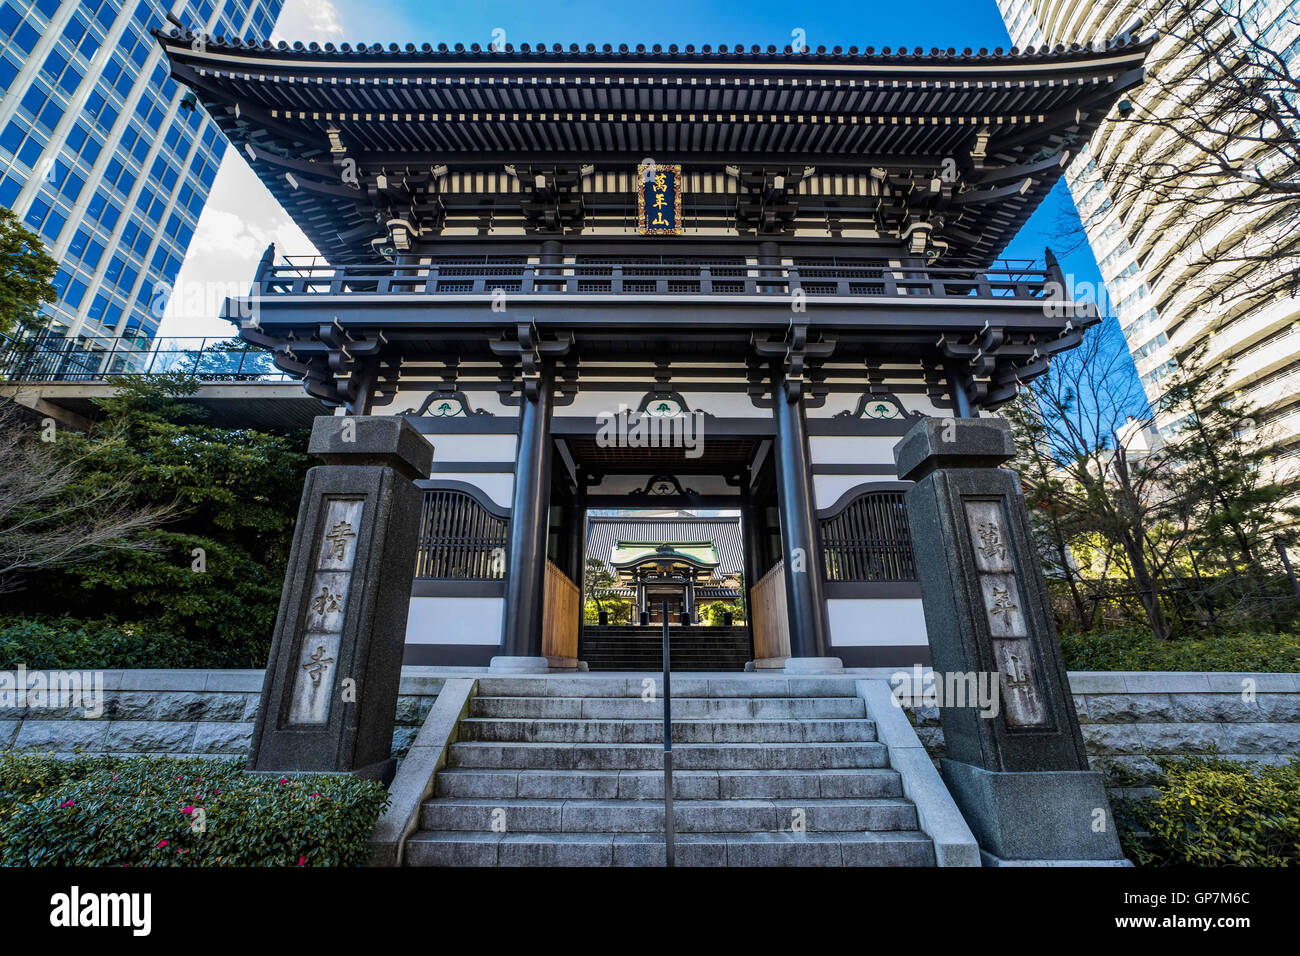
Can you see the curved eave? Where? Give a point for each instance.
(660, 556)
(654, 57)
(779, 107)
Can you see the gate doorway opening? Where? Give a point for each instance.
(639, 561)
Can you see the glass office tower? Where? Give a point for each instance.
(1156, 292)
(102, 154)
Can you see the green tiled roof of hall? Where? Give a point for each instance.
(625, 553)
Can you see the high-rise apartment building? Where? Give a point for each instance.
(102, 154)
(1157, 292)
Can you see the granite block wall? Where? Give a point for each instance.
(174, 712)
(1130, 717)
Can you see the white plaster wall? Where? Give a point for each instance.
(724, 404)
(828, 488)
(836, 402)
(875, 622)
(455, 620)
(497, 486)
(852, 449)
(454, 448)
(589, 404)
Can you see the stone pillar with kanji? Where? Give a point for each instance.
(330, 693)
(1015, 764)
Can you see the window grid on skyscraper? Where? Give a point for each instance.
(97, 155)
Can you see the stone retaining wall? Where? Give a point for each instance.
(1129, 717)
(179, 713)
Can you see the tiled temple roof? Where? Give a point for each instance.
(658, 53)
(604, 532)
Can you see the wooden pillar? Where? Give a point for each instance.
(805, 595)
(529, 516)
(577, 542)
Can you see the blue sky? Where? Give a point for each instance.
(241, 218)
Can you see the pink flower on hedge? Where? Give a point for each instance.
(161, 844)
(283, 781)
(315, 794)
(302, 861)
(67, 803)
(187, 810)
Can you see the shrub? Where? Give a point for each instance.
(212, 573)
(70, 644)
(712, 613)
(1209, 811)
(162, 811)
(1140, 651)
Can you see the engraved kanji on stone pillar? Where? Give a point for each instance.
(314, 683)
(1017, 674)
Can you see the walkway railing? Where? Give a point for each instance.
(88, 359)
(663, 276)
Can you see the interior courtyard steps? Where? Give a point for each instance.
(566, 771)
(615, 647)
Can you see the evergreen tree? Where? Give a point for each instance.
(25, 274)
(214, 572)
(1233, 498)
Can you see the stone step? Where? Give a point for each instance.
(649, 784)
(684, 708)
(647, 816)
(711, 666)
(569, 730)
(634, 686)
(655, 631)
(451, 848)
(623, 756)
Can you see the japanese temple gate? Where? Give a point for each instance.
(794, 252)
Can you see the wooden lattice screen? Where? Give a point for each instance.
(869, 540)
(459, 539)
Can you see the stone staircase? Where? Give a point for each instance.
(622, 647)
(568, 771)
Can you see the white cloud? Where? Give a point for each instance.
(308, 21)
(241, 216)
(239, 220)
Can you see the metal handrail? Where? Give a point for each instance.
(670, 829)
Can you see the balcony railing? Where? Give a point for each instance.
(663, 276)
(97, 359)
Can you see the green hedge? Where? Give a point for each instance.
(1215, 812)
(1120, 651)
(68, 643)
(161, 811)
